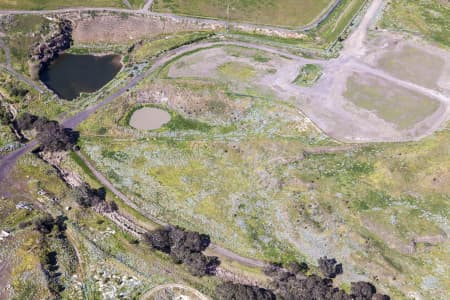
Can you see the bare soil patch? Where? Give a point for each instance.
(149, 118)
(203, 100)
(109, 28)
(410, 59)
(227, 63)
(392, 103)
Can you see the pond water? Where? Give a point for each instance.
(149, 118)
(69, 75)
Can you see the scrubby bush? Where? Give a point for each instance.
(44, 224)
(297, 268)
(231, 291)
(87, 197)
(292, 283)
(329, 267)
(26, 121)
(184, 247)
(158, 239)
(365, 290)
(53, 137)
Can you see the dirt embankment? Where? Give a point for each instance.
(120, 28)
(44, 53)
(107, 27)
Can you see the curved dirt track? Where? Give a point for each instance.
(193, 291)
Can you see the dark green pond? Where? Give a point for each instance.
(69, 75)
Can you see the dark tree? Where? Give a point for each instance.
(297, 268)
(292, 283)
(231, 291)
(26, 121)
(60, 223)
(87, 197)
(113, 206)
(273, 270)
(366, 291)
(50, 134)
(184, 247)
(329, 267)
(53, 137)
(18, 92)
(158, 239)
(194, 241)
(44, 224)
(200, 264)
(380, 297)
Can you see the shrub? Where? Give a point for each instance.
(231, 291)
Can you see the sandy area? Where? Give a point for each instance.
(411, 59)
(323, 103)
(149, 118)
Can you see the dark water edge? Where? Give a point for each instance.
(69, 75)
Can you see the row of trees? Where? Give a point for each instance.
(229, 291)
(184, 247)
(294, 283)
(51, 227)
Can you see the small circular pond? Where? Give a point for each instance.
(149, 118)
(69, 75)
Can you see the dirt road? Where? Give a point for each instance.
(9, 160)
(22, 78)
(8, 67)
(354, 45)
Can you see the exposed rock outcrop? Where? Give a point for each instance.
(44, 53)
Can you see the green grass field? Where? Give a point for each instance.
(428, 18)
(56, 4)
(324, 37)
(290, 13)
(254, 192)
